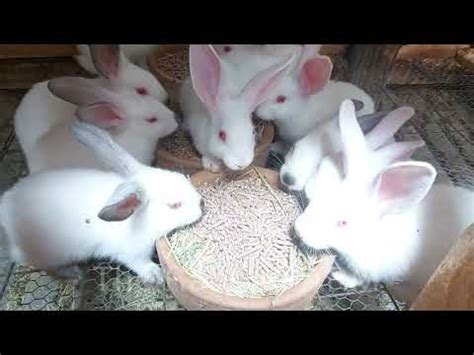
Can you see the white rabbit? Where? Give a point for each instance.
(303, 98)
(383, 219)
(304, 157)
(230, 49)
(217, 109)
(54, 219)
(134, 69)
(43, 118)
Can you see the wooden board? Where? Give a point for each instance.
(452, 285)
(23, 73)
(434, 65)
(429, 71)
(37, 50)
(466, 58)
(440, 51)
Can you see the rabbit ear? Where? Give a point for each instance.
(106, 59)
(105, 148)
(126, 199)
(78, 91)
(353, 140)
(393, 152)
(369, 121)
(103, 115)
(260, 86)
(315, 74)
(388, 126)
(206, 74)
(403, 185)
(309, 51)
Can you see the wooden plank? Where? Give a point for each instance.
(430, 71)
(440, 51)
(37, 50)
(369, 66)
(451, 287)
(466, 58)
(22, 74)
(333, 49)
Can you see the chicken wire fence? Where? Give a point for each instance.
(110, 287)
(444, 119)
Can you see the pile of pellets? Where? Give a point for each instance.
(243, 245)
(174, 65)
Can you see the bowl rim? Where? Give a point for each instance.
(199, 291)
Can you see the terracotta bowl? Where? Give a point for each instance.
(167, 160)
(193, 295)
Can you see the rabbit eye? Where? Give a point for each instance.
(152, 120)
(342, 223)
(222, 136)
(142, 91)
(227, 49)
(174, 206)
(281, 99)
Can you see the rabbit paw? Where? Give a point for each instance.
(346, 280)
(151, 273)
(211, 164)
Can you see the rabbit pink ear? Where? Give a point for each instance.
(393, 152)
(126, 199)
(206, 74)
(388, 126)
(310, 51)
(403, 185)
(261, 85)
(78, 91)
(103, 115)
(106, 59)
(315, 74)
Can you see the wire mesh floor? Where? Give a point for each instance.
(444, 119)
(107, 287)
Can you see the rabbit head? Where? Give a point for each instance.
(309, 75)
(352, 191)
(302, 161)
(115, 69)
(167, 199)
(232, 137)
(120, 105)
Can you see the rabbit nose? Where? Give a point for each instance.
(287, 179)
(202, 204)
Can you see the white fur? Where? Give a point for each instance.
(238, 152)
(137, 71)
(324, 139)
(231, 114)
(42, 124)
(51, 217)
(304, 157)
(298, 114)
(381, 212)
(407, 245)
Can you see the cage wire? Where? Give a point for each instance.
(444, 119)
